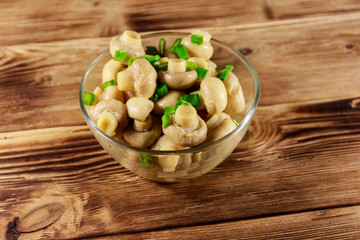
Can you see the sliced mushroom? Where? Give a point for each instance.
(176, 76)
(214, 94)
(145, 138)
(235, 96)
(129, 41)
(144, 76)
(187, 129)
(111, 106)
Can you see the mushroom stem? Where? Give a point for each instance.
(143, 126)
(177, 65)
(131, 38)
(186, 116)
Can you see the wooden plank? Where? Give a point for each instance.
(296, 60)
(24, 21)
(295, 157)
(283, 9)
(330, 224)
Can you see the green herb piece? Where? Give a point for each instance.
(190, 66)
(166, 120)
(131, 59)
(152, 59)
(201, 72)
(169, 110)
(236, 123)
(151, 50)
(193, 99)
(108, 83)
(175, 44)
(120, 55)
(161, 67)
(88, 98)
(222, 75)
(162, 90)
(155, 97)
(147, 161)
(162, 46)
(181, 102)
(196, 39)
(181, 51)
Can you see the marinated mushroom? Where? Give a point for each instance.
(110, 69)
(187, 129)
(214, 94)
(112, 92)
(170, 99)
(142, 139)
(224, 128)
(215, 120)
(139, 108)
(207, 64)
(176, 76)
(235, 96)
(113, 106)
(144, 76)
(130, 42)
(204, 50)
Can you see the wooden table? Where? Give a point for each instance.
(296, 175)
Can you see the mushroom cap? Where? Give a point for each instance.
(112, 106)
(143, 139)
(178, 80)
(186, 138)
(235, 96)
(116, 44)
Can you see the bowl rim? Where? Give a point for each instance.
(191, 150)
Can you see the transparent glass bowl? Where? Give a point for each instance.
(194, 161)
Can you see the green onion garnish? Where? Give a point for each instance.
(108, 83)
(152, 59)
(196, 39)
(162, 46)
(190, 66)
(147, 161)
(151, 50)
(193, 99)
(162, 90)
(166, 120)
(161, 67)
(131, 59)
(88, 98)
(181, 51)
(222, 75)
(169, 110)
(155, 97)
(175, 44)
(181, 102)
(120, 55)
(201, 72)
(236, 123)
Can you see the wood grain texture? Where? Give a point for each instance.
(283, 9)
(296, 60)
(330, 224)
(295, 158)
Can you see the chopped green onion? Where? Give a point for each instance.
(162, 90)
(236, 123)
(190, 66)
(108, 83)
(162, 46)
(175, 44)
(193, 99)
(169, 110)
(161, 67)
(181, 102)
(131, 59)
(201, 72)
(151, 50)
(120, 55)
(181, 51)
(155, 97)
(166, 120)
(88, 98)
(196, 39)
(222, 75)
(147, 161)
(152, 59)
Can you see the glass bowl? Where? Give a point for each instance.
(194, 161)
